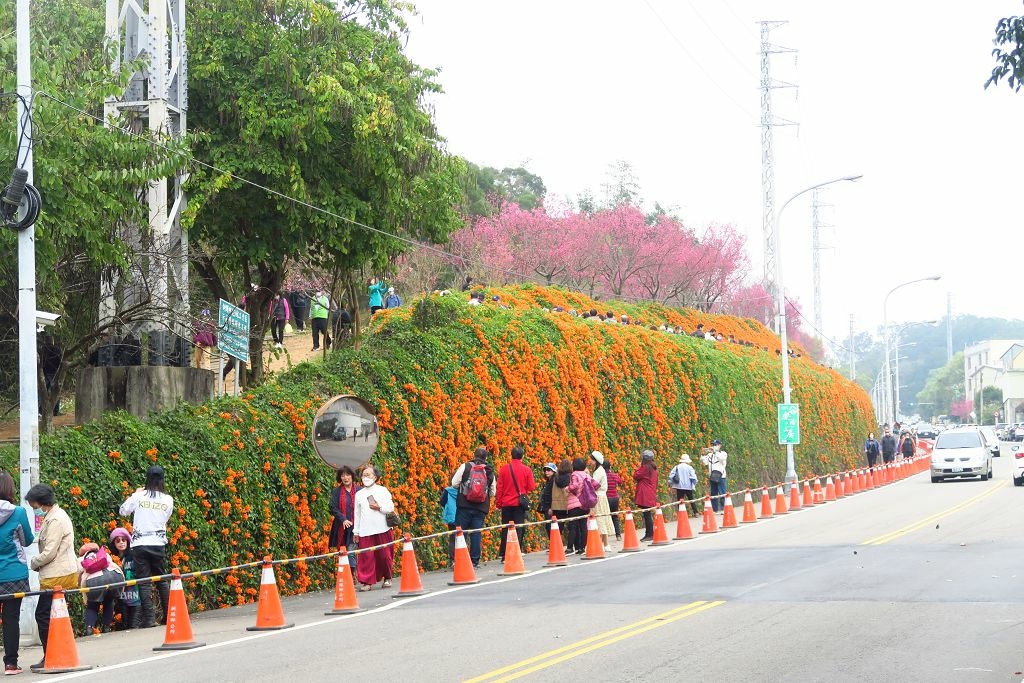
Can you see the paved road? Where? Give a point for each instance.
(912, 582)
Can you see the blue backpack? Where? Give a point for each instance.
(449, 497)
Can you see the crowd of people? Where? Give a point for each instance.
(139, 554)
(895, 441)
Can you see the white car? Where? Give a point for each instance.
(961, 452)
(1018, 465)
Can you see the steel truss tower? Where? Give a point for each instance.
(156, 99)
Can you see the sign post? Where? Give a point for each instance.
(789, 424)
(233, 335)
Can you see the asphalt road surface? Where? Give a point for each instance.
(911, 582)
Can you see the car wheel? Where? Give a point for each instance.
(1018, 482)
(936, 480)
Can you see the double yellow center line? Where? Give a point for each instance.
(892, 535)
(552, 657)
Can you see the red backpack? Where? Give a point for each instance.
(474, 483)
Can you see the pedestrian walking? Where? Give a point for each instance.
(120, 546)
(96, 570)
(907, 445)
(56, 562)
(683, 479)
(601, 510)
(871, 449)
(392, 300)
(888, 446)
(280, 314)
(150, 508)
(716, 460)
(614, 482)
(476, 483)
(319, 310)
(582, 499)
(515, 483)
(15, 536)
(646, 479)
(560, 498)
(343, 510)
(370, 528)
(300, 307)
(376, 288)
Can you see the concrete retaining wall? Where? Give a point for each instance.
(139, 389)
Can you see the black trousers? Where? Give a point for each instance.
(511, 514)
(300, 317)
(648, 524)
(872, 459)
(320, 327)
(150, 560)
(10, 611)
(277, 330)
(613, 506)
(42, 619)
(578, 530)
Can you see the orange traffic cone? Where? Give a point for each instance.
(766, 503)
(862, 480)
(780, 500)
(630, 542)
(842, 482)
(872, 480)
(269, 613)
(556, 551)
(794, 496)
(728, 514)
(345, 600)
(710, 521)
(178, 634)
(830, 490)
(815, 494)
(61, 653)
(595, 549)
(749, 513)
(464, 572)
(683, 530)
(411, 583)
(660, 532)
(513, 555)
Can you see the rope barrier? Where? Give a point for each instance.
(395, 542)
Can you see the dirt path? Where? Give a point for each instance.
(297, 348)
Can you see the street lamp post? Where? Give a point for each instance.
(885, 334)
(899, 331)
(790, 462)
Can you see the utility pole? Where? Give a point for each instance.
(768, 122)
(949, 326)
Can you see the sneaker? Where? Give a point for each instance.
(12, 670)
(277, 346)
(607, 549)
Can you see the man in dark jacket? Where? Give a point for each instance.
(514, 479)
(888, 446)
(470, 515)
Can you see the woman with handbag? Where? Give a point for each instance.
(370, 528)
(582, 499)
(343, 504)
(601, 510)
(515, 481)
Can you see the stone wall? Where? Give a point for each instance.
(139, 389)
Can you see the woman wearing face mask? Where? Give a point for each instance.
(57, 561)
(343, 503)
(370, 528)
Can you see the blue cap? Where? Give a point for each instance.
(551, 466)
(716, 442)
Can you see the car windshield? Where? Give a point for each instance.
(958, 440)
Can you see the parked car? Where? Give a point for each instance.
(1016, 432)
(961, 452)
(1018, 465)
(991, 440)
(926, 431)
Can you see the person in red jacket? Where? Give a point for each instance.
(646, 478)
(514, 479)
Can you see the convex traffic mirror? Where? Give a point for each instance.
(345, 432)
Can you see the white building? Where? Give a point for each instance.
(1011, 381)
(997, 363)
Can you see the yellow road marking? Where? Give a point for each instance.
(551, 657)
(892, 535)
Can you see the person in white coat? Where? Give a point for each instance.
(370, 528)
(683, 479)
(150, 508)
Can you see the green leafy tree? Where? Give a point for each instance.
(90, 179)
(487, 189)
(944, 386)
(987, 403)
(316, 100)
(1008, 53)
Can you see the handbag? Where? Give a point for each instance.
(524, 500)
(393, 519)
(716, 476)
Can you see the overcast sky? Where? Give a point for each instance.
(890, 90)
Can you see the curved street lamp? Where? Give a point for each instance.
(790, 462)
(891, 409)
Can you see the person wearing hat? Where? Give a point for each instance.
(683, 479)
(646, 478)
(601, 510)
(97, 570)
(150, 508)
(392, 300)
(715, 460)
(544, 504)
(120, 544)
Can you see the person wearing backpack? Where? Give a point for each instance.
(582, 499)
(475, 481)
(871, 449)
(683, 479)
(515, 482)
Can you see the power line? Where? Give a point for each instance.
(740, 62)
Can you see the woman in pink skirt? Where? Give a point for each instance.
(370, 528)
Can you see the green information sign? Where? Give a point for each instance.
(233, 331)
(789, 423)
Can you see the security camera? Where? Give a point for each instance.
(46, 319)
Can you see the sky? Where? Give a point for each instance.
(893, 91)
